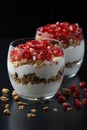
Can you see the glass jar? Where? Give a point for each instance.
(35, 67)
(73, 44)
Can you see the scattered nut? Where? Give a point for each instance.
(31, 115)
(22, 103)
(16, 97)
(4, 99)
(14, 93)
(6, 111)
(7, 106)
(55, 109)
(5, 90)
(33, 110)
(45, 108)
(21, 107)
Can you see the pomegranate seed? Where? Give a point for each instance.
(86, 94)
(59, 93)
(76, 94)
(61, 98)
(74, 88)
(84, 101)
(82, 84)
(85, 89)
(66, 105)
(77, 104)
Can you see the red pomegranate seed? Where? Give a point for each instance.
(66, 105)
(59, 93)
(85, 94)
(82, 84)
(85, 89)
(84, 101)
(76, 94)
(61, 98)
(74, 88)
(78, 103)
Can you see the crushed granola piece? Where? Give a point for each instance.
(5, 90)
(31, 115)
(33, 110)
(6, 111)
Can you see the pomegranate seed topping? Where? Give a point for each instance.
(82, 84)
(74, 88)
(36, 50)
(61, 98)
(62, 31)
(76, 94)
(84, 101)
(77, 103)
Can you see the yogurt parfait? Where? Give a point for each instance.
(71, 37)
(35, 67)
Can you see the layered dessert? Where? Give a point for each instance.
(36, 68)
(71, 37)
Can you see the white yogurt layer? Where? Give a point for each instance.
(46, 71)
(74, 53)
(36, 91)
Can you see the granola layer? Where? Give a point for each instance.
(33, 79)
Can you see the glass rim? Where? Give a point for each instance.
(26, 39)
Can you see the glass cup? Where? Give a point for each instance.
(73, 44)
(35, 67)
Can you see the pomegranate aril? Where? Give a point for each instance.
(66, 105)
(85, 89)
(73, 88)
(76, 94)
(61, 98)
(82, 84)
(84, 101)
(59, 93)
(77, 103)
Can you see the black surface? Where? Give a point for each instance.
(49, 120)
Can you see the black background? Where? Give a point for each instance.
(21, 18)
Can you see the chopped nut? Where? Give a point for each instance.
(31, 115)
(6, 111)
(69, 108)
(16, 97)
(4, 99)
(14, 93)
(55, 109)
(5, 90)
(7, 106)
(66, 91)
(21, 107)
(33, 110)
(22, 103)
(45, 108)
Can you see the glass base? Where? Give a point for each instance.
(36, 98)
(70, 76)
